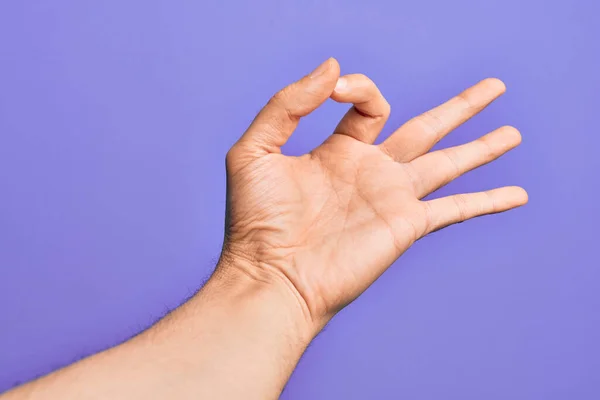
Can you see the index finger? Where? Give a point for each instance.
(370, 109)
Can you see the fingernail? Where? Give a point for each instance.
(341, 85)
(321, 69)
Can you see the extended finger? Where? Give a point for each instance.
(436, 169)
(417, 136)
(461, 207)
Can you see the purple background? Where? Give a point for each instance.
(114, 120)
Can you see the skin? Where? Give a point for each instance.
(305, 236)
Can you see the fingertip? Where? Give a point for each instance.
(341, 85)
(334, 71)
(513, 133)
(344, 87)
(498, 85)
(321, 82)
(522, 195)
(352, 88)
(327, 71)
(335, 65)
(508, 197)
(517, 195)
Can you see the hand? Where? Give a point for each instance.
(326, 224)
(304, 237)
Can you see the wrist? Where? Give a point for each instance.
(245, 284)
(248, 325)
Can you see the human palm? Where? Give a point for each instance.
(328, 223)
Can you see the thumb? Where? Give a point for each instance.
(276, 122)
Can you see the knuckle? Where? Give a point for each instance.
(279, 98)
(493, 207)
(487, 150)
(280, 101)
(379, 113)
(429, 225)
(452, 158)
(430, 123)
(368, 80)
(461, 207)
(361, 78)
(465, 101)
(386, 108)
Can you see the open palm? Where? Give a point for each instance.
(328, 223)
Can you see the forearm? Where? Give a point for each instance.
(239, 337)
